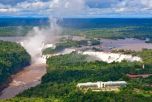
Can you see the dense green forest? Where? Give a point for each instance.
(68, 43)
(65, 71)
(139, 32)
(14, 30)
(13, 58)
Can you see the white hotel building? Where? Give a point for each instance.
(102, 86)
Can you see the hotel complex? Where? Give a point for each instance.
(102, 86)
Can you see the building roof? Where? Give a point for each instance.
(138, 75)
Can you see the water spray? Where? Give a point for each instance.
(36, 39)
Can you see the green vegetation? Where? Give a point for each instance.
(61, 46)
(13, 58)
(139, 32)
(145, 54)
(14, 30)
(66, 43)
(65, 71)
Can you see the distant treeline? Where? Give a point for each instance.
(77, 22)
(111, 28)
(23, 21)
(104, 22)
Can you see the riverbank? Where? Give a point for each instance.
(5, 85)
(9, 80)
(25, 79)
(31, 76)
(13, 59)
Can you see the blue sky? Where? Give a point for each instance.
(76, 8)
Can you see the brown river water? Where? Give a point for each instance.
(25, 79)
(127, 44)
(31, 75)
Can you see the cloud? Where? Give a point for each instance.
(6, 10)
(49, 7)
(67, 7)
(135, 5)
(27, 5)
(76, 7)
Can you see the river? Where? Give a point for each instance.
(25, 79)
(127, 44)
(29, 77)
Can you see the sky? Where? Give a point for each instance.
(76, 8)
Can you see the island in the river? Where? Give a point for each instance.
(88, 51)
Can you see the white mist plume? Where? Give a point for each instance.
(36, 38)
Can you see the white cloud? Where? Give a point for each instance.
(6, 10)
(78, 7)
(29, 5)
(67, 7)
(51, 7)
(134, 5)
